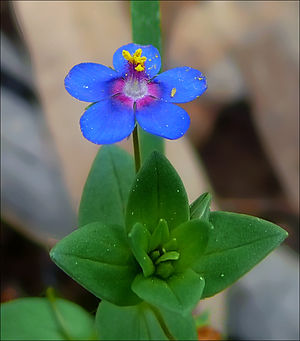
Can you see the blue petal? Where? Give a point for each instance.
(107, 122)
(89, 82)
(152, 64)
(180, 85)
(163, 119)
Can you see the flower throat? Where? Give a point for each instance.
(135, 86)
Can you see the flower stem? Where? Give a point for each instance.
(136, 148)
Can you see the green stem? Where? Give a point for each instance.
(136, 148)
(162, 323)
(52, 299)
(145, 22)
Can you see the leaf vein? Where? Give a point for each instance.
(93, 260)
(238, 246)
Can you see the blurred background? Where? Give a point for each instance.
(243, 143)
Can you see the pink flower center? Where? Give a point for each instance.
(135, 88)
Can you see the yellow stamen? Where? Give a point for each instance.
(135, 59)
(139, 68)
(173, 92)
(200, 78)
(137, 53)
(127, 56)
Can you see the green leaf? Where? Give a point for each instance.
(145, 16)
(35, 318)
(160, 235)
(139, 238)
(127, 323)
(141, 322)
(200, 207)
(97, 256)
(182, 327)
(106, 190)
(179, 293)
(192, 238)
(171, 255)
(149, 143)
(236, 244)
(157, 193)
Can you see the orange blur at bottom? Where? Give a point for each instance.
(208, 333)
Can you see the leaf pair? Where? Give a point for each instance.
(100, 256)
(102, 259)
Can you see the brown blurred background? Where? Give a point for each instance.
(243, 143)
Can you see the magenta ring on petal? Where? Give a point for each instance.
(133, 92)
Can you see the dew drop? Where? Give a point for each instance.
(177, 190)
(222, 275)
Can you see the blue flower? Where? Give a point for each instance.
(133, 92)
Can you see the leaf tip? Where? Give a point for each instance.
(53, 254)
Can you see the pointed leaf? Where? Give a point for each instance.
(171, 245)
(192, 238)
(157, 193)
(97, 256)
(199, 209)
(33, 318)
(179, 293)
(160, 235)
(236, 244)
(171, 255)
(139, 241)
(106, 190)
